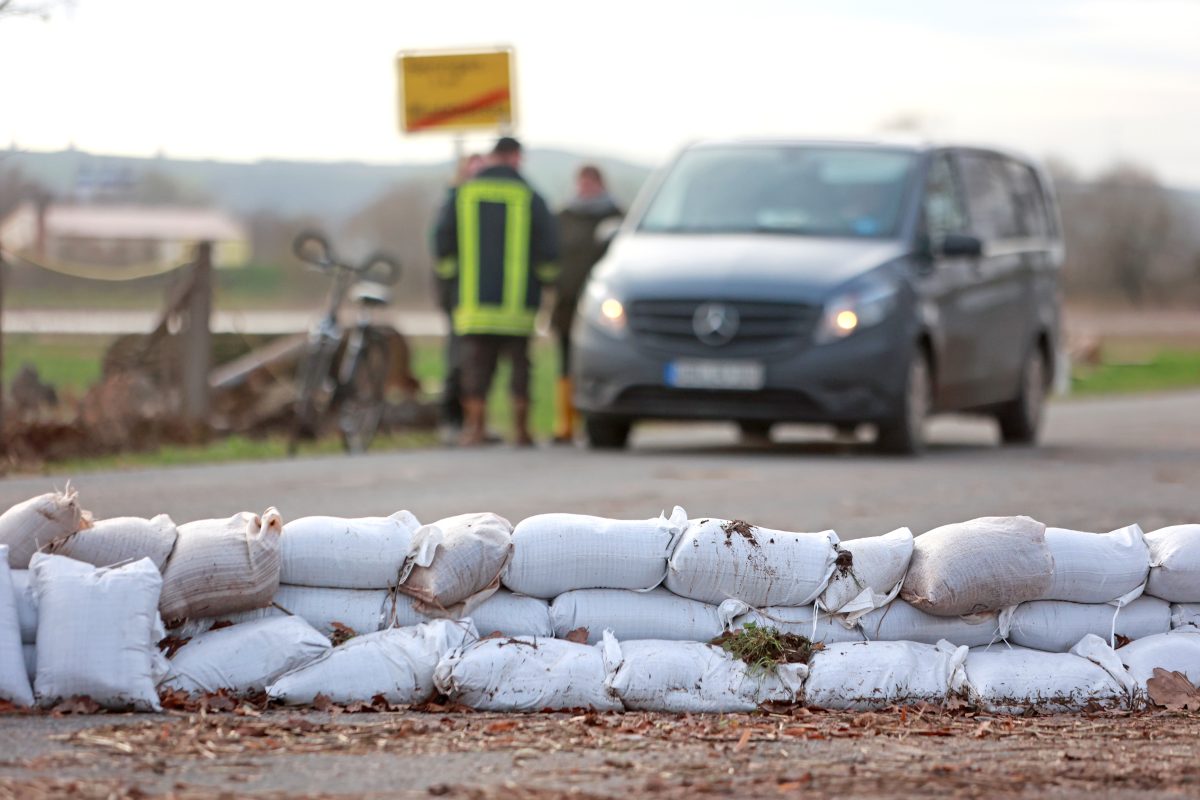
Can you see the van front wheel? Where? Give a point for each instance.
(904, 432)
(1020, 419)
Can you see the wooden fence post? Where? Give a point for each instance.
(197, 339)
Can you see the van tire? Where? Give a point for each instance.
(607, 433)
(903, 434)
(1020, 419)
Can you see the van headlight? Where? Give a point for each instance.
(601, 308)
(865, 303)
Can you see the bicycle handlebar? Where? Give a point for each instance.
(312, 247)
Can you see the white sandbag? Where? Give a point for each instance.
(714, 562)
(220, 566)
(363, 553)
(985, 564)
(1185, 615)
(1175, 563)
(693, 677)
(245, 657)
(361, 610)
(526, 674)
(556, 553)
(29, 651)
(1056, 626)
(26, 607)
(397, 663)
(1097, 567)
(98, 632)
(120, 540)
(869, 573)
(864, 675)
(457, 562)
(899, 621)
(799, 620)
(39, 522)
(656, 614)
(14, 681)
(1176, 651)
(513, 615)
(1011, 680)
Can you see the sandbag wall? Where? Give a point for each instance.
(569, 611)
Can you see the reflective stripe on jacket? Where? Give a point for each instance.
(496, 241)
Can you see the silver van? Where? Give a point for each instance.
(826, 282)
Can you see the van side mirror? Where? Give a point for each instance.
(961, 244)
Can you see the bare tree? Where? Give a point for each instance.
(1134, 219)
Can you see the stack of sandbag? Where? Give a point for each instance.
(865, 675)
(1012, 680)
(1096, 589)
(457, 562)
(693, 677)
(604, 573)
(526, 674)
(98, 632)
(978, 566)
(1175, 564)
(245, 657)
(120, 540)
(38, 523)
(222, 566)
(14, 678)
(396, 664)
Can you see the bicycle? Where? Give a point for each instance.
(342, 378)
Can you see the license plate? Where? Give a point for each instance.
(713, 374)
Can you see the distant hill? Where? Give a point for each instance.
(331, 191)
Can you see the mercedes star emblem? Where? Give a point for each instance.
(715, 323)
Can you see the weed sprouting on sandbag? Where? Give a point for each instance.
(765, 647)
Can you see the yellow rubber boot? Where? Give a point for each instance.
(564, 413)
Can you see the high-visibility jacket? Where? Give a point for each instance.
(496, 244)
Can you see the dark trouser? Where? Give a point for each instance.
(479, 355)
(564, 350)
(452, 411)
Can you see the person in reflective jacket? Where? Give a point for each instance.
(496, 246)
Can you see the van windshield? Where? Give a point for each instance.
(803, 190)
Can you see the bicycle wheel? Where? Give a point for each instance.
(312, 396)
(362, 403)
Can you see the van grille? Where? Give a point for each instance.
(762, 327)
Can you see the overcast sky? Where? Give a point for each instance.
(1088, 81)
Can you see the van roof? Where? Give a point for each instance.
(914, 144)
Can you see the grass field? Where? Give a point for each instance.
(72, 363)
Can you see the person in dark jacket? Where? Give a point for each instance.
(496, 244)
(582, 247)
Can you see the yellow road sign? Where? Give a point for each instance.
(455, 91)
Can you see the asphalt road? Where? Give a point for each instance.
(1104, 463)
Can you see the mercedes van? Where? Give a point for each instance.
(841, 283)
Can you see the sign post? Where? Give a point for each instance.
(456, 91)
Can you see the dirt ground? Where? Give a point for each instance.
(792, 752)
